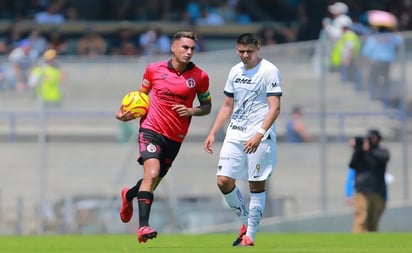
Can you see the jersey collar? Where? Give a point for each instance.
(189, 66)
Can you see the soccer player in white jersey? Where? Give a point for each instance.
(252, 103)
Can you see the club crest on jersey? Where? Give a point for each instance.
(151, 148)
(190, 82)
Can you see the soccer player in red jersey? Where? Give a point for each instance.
(172, 86)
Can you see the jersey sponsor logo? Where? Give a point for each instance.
(236, 127)
(190, 82)
(274, 85)
(243, 80)
(151, 148)
(169, 95)
(163, 76)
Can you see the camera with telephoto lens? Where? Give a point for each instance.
(359, 141)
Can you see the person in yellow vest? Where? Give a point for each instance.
(346, 54)
(46, 79)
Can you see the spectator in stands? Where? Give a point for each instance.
(14, 35)
(57, 41)
(193, 10)
(241, 15)
(71, 14)
(153, 42)
(210, 17)
(271, 36)
(380, 49)
(51, 15)
(226, 9)
(37, 40)
(33, 7)
(333, 30)
(122, 10)
(309, 19)
(125, 42)
(23, 59)
(46, 79)
(348, 46)
(405, 21)
(296, 131)
(201, 42)
(360, 27)
(91, 44)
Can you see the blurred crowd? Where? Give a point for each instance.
(282, 21)
(297, 20)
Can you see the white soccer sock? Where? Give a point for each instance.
(256, 208)
(237, 204)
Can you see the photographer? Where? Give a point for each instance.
(369, 160)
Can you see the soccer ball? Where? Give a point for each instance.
(136, 102)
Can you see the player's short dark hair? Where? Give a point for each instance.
(247, 39)
(184, 34)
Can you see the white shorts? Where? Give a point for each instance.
(235, 163)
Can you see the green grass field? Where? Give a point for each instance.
(215, 243)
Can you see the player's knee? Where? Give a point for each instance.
(225, 184)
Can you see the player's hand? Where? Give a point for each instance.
(182, 110)
(208, 144)
(124, 115)
(252, 145)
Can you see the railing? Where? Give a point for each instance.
(340, 129)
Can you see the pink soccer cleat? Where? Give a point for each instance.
(145, 233)
(242, 232)
(126, 210)
(246, 241)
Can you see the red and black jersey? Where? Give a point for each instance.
(167, 88)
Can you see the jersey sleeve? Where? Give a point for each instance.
(203, 93)
(228, 90)
(273, 85)
(147, 77)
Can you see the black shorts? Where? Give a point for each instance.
(154, 145)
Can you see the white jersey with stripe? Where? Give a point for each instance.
(250, 89)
